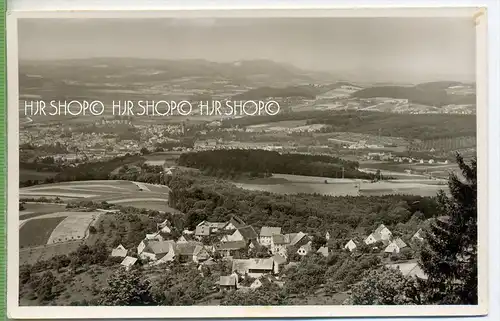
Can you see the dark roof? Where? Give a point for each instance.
(190, 248)
(232, 245)
(248, 232)
(280, 239)
(269, 231)
(237, 221)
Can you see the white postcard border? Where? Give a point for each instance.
(17, 312)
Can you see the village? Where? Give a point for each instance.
(257, 256)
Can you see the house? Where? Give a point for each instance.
(156, 250)
(211, 226)
(185, 238)
(119, 251)
(417, 237)
(234, 223)
(382, 233)
(409, 269)
(279, 261)
(191, 251)
(327, 236)
(266, 234)
(395, 246)
(228, 282)
(154, 237)
(351, 245)
(255, 268)
(323, 251)
(202, 231)
(245, 233)
(305, 249)
(279, 243)
(128, 261)
(164, 227)
(227, 249)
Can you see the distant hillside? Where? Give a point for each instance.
(432, 94)
(129, 70)
(304, 91)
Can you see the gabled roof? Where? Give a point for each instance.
(280, 239)
(212, 224)
(159, 247)
(244, 265)
(229, 280)
(236, 221)
(409, 269)
(379, 229)
(119, 251)
(323, 250)
(231, 245)
(268, 231)
(248, 233)
(399, 242)
(297, 238)
(153, 236)
(278, 259)
(128, 261)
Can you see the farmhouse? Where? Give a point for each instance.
(351, 245)
(245, 233)
(382, 233)
(279, 244)
(119, 251)
(395, 246)
(191, 251)
(279, 261)
(266, 234)
(128, 262)
(211, 226)
(304, 249)
(185, 238)
(156, 250)
(228, 249)
(253, 267)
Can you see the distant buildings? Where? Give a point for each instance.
(381, 234)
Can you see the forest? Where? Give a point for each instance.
(268, 162)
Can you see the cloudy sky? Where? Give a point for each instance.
(378, 49)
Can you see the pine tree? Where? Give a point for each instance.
(449, 255)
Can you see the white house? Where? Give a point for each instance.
(382, 233)
(154, 237)
(395, 246)
(128, 262)
(323, 251)
(327, 236)
(266, 234)
(418, 236)
(119, 251)
(351, 245)
(304, 249)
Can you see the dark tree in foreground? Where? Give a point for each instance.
(126, 288)
(449, 255)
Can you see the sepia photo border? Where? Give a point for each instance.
(478, 17)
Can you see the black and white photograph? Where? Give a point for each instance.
(220, 161)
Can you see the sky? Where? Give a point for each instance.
(375, 49)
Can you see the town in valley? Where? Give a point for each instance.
(349, 185)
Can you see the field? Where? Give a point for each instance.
(112, 191)
(296, 184)
(37, 232)
(33, 254)
(37, 209)
(74, 227)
